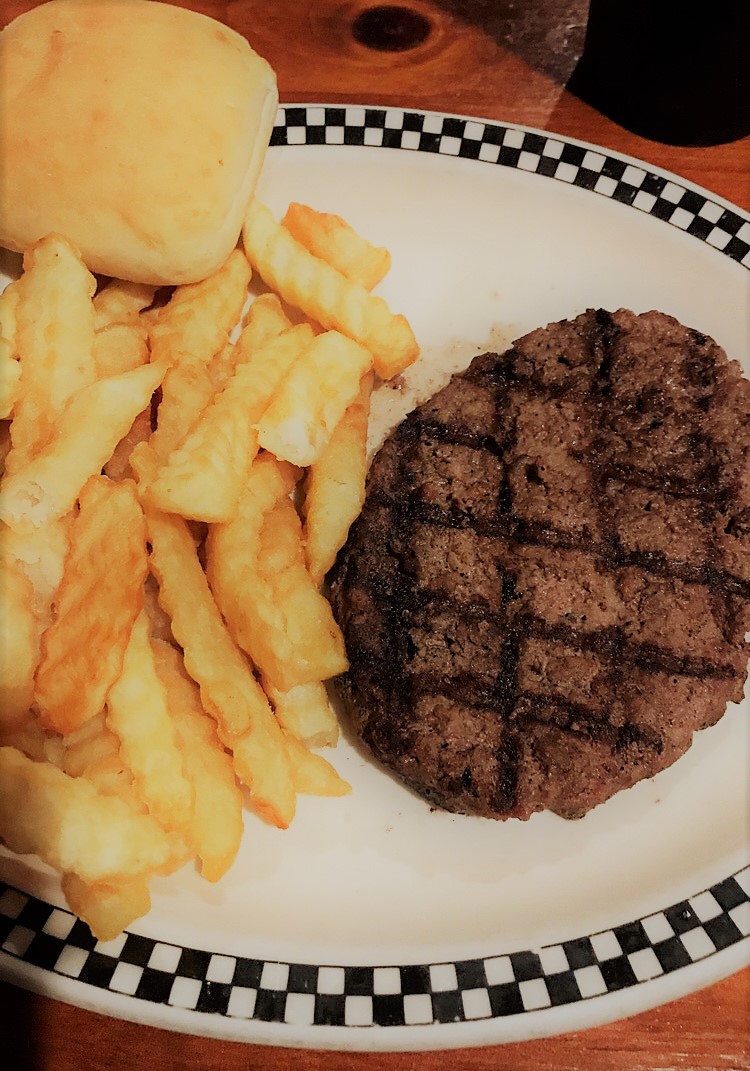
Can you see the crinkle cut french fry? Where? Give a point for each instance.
(200, 316)
(286, 626)
(120, 348)
(138, 714)
(314, 775)
(100, 595)
(186, 390)
(120, 302)
(317, 645)
(335, 486)
(159, 623)
(221, 367)
(312, 397)
(19, 643)
(325, 295)
(118, 466)
(232, 564)
(28, 735)
(87, 433)
(107, 909)
(55, 336)
(97, 837)
(8, 305)
(331, 238)
(41, 554)
(204, 477)
(93, 752)
(229, 691)
(90, 744)
(10, 378)
(306, 713)
(263, 321)
(216, 821)
(264, 766)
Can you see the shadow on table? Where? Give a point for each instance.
(548, 35)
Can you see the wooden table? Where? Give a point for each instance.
(500, 61)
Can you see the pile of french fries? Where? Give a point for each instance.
(179, 472)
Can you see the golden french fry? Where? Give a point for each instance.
(19, 644)
(325, 295)
(263, 321)
(204, 477)
(335, 486)
(10, 378)
(313, 775)
(89, 745)
(285, 625)
(9, 298)
(55, 339)
(332, 239)
(200, 316)
(28, 736)
(97, 837)
(111, 777)
(315, 640)
(312, 397)
(233, 550)
(100, 595)
(93, 752)
(229, 691)
(216, 820)
(306, 713)
(94, 421)
(221, 367)
(41, 554)
(120, 348)
(118, 466)
(265, 768)
(138, 714)
(159, 623)
(186, 390)
(120, 302)
(107, 908)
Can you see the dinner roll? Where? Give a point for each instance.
(134, 128)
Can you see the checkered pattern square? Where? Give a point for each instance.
(515, 983)
(543, 154)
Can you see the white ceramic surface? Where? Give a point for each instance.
(482, 252)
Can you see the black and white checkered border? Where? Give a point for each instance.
(551, 155)
(51, 939)
(297, 994)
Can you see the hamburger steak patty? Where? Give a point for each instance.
(548, 589)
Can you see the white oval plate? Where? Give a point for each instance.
(374, 922)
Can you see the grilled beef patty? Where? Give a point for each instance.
(548, 589)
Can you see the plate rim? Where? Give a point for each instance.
(405, 114)
(71, 966)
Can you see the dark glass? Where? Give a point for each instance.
(673, 72)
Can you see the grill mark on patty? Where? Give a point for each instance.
(507, 526)
(591, 372)
(578, 720)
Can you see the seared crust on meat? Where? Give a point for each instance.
(548, 589)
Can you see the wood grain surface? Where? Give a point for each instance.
(501, 59)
